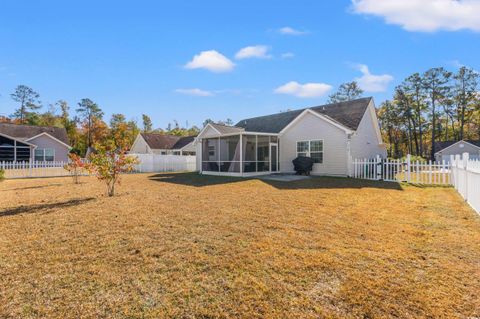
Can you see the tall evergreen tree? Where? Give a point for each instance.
(147, 123)
(346, 92)
(89, 111)
(28, 100)
(465, 96)
(435, 83)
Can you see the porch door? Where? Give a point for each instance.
(273, 157)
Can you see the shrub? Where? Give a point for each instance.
(108, 162)
(2, 174)
(76, 167)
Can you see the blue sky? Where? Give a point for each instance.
(137, 57)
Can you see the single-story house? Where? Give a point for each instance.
(33, 143)
(332, 135)
(154, 143)
(443, 150)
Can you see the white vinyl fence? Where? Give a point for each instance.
(466, 179)
(430, 173)
(149, 163)
(153, 163)
(34, 169)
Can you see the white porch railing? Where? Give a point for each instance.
(466, 179)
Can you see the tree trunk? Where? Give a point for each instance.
(432, 155)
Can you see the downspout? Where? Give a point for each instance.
(349, 155)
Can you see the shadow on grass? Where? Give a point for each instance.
(30, 209)
(198, 180)
(30, 187)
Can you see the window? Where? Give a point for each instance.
(313, 149)
(44, 155)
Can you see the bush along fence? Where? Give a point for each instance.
(466, 179)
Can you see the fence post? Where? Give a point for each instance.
(452, 173)
(465, 167)
(379, 168)
(409, 165)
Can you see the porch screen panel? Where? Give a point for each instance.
(230, 154)
(250, 153)
(263, 153)
(7, 150)
(23, 154)
(211, 155)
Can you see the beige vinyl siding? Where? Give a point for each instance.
(140, 146)
(311, 127)
(365, 142)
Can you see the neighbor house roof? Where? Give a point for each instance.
(348, 114)
(439, 146)
(166, 142)
(25, 132)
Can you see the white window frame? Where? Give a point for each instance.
(308, 151)
(43, 154)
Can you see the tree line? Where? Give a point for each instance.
(437, 105)
(86, 125)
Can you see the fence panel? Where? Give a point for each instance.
(34, 169)
(466, 179)
(155, 163)
(391, 170)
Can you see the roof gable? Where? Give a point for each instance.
(348, 114)
(25, 132)
(440, 146)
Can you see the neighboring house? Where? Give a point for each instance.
(445, 149)
(332, 135)
(154, 143)
(36, 143)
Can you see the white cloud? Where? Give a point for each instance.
(304, 90)
(370, 82)
(256, 51)
(287, 55)
(194, 92)
(424, 15)
(291, 31)
(212, 61)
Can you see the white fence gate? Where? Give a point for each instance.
(153, 163)
(433, 173)
(466, 179)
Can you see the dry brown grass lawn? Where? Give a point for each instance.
(189, 246)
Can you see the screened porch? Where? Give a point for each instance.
(12, 150)
(241, 154)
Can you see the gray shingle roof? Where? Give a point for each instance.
(166, 142)
(24, 132)
(225, 129)
(442, 145)
(349, 114)
(183, 141)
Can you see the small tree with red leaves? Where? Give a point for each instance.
(76, 166)
(108, 162)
